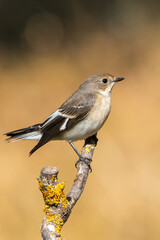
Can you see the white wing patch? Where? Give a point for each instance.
(63, 127)
(78, 106)
(58, 113)
(52, 116)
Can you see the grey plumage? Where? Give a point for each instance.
(74, 111)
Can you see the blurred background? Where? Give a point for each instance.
(47, 48)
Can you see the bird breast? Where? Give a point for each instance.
(92, 122)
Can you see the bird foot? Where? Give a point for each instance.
(86, 161)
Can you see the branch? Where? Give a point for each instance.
(58, 206)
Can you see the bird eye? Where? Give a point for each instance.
(104, 80)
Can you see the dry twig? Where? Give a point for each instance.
(58, 206)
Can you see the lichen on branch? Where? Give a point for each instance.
(57, 205)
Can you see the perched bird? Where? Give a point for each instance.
(79, 117)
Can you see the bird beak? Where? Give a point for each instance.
(118, 79)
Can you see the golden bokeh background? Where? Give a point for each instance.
(44, 56)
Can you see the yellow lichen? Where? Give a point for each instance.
(59, 223)
(46, 208)
(52, 217)
(88, 148)
(40, 184)
(53, 177)
(53, 196)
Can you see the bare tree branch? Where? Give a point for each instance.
(58, 206)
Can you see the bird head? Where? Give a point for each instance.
(102, 82)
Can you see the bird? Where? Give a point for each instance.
(79, 117)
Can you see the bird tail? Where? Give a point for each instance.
(29, 133)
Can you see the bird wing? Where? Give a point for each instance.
(69, 114)
(77, 109)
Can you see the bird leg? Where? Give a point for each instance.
(80, 157)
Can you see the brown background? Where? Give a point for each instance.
(47, 48)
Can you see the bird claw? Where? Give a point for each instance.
(86, 161)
